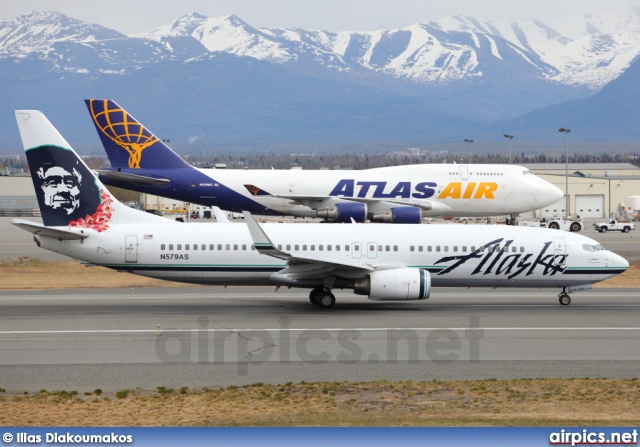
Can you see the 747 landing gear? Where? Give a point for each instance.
(322, 297)
(564, 298)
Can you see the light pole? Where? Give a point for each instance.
(566, 169)
(466, 140)
(510, 137)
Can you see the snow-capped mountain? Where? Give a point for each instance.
(425, 80)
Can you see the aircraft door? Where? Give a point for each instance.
(560, 251)
(464, 172)
(372, 250)
(356, 250)
(131, 248)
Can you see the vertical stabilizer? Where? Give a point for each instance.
(128, 143)
(69, 194)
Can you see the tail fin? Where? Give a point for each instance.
(68, 192)
(127, 142)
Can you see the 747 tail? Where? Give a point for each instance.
(127, 142)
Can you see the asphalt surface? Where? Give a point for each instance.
(207, 337)
(117, 339)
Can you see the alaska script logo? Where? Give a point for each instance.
(496, 260)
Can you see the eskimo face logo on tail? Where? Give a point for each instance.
(66, 190)
(119, 127)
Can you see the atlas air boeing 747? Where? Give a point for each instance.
(397, 194)
(81, 219)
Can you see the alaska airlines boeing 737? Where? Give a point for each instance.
(397, 194)
(384, 262)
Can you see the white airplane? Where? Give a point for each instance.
(385, 262)
(397, 194)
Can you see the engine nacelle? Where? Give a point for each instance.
(343, 212)
(395, 284)
(402, 214)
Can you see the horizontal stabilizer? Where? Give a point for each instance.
(133, 178)
(41, 230)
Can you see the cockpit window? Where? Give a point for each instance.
(586, 247)
(526, 172)
(597, 247)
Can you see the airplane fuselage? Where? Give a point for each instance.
(463, 256)
(438, 189)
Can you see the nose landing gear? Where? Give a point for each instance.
(564, 297)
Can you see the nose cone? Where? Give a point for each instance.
(618, 263)
(550, 194)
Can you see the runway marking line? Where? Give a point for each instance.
(154, 331)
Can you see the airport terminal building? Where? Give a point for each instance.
(596, 190)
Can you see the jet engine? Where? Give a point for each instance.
(395, 284)
(402, 214)
(343, 212)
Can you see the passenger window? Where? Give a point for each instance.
(279, 246)
(219, 246)
(446, 248)
(227, 247)
(429, 248)
(320, 247)
(195, 247)
(170, 246)
(253, 247)
(288, 247)
(346, 248)
(186, 246)
(473, 248)
(455, 248)
(329, 247)
(179, 247)
(235, 247)
(338, 247)
(521, 249)
(464, 248)
(312, 247)
(162, 247)
(419, 247)
(395, 248)
(356, 248)
(379, 247)
(411, 248)
(203, 247)
(297, 247)
(437, 248)
(244, 247)
(304, 247)
(387, 248)
(513, 249)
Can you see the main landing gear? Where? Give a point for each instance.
(322, 297)
(564, 297)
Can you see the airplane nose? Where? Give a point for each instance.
(619, 262)
(554, 193)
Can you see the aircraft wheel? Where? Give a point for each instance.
(314, 295)
(326, 300)
(564, 299)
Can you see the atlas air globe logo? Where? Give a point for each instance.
(123, 130)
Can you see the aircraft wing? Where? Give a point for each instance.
(133, 178)
(316, 264)
(39, 229)
(424, 204)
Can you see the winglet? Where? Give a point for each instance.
(219, 215)
(260, 239)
